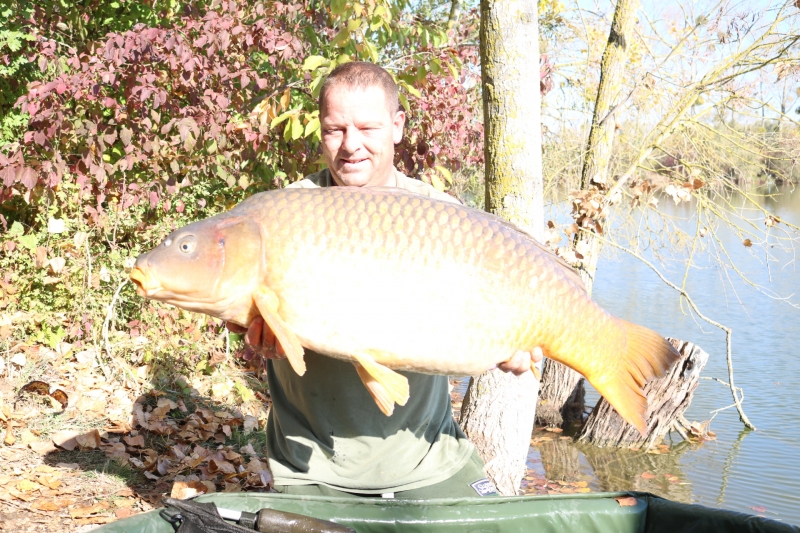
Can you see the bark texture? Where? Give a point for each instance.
(667, 400)
(561, 398)
(499, 409)
(497, 416)
(556, 396)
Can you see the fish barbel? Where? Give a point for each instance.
(337, 270)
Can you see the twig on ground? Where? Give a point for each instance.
(106, 323)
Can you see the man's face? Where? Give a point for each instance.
(358, 136)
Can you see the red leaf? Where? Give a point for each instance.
(28, 177)
(61, 88)
(760, 508)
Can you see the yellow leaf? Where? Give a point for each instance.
(314, 62)
(27, 485)
(285, 99)
(311, 127)
(353, 24)
(297, 128)
(437, 183)
(445, 173)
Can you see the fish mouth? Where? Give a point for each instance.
(146, 284)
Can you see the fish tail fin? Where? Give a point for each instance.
(647, 355)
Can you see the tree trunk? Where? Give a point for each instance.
(559, 384)
(667, 399)
(561, 398)
(499, 409)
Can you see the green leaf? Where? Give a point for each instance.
(311, 127)
(316, 85)
(353, 24)
(16, 230)
(29, 241)
(283, 116)
(341, 39)
(404, 101)
(338, 6)
(314, 62)
(446, 174)
(297, 128)
(413, 90)
(453, 69)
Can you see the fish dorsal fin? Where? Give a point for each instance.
(267, 302)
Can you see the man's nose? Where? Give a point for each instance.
(352, 140)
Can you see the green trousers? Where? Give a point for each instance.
(460, 485)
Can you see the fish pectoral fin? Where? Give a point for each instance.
(386, 386)
(267, 302)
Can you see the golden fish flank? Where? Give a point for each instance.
(476, 289)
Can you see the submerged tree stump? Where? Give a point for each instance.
(667, 400)
(561, 398)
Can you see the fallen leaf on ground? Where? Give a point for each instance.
(125, 512)
(90, 440)
(626, 501)
(83, 512)
(66, 439)
(137, 441)
(42, 447)
(26, 485)
(53, 505)
(9, 439)
(188, 489)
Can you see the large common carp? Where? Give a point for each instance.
(396, 281)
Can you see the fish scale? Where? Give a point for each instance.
(338, 270)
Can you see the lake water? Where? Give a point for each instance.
(749, 471)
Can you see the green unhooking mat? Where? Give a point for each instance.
(573, 513)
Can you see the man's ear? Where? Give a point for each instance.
(398, 124)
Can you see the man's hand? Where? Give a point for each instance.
(521, 362)
(260, 338)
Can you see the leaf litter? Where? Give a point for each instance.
(78, 450)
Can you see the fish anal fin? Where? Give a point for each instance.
(376, 390)
(648, 355)
(267, 302)
(384, 384)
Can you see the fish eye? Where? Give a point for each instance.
(187, 244)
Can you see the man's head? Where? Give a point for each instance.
(361, 121)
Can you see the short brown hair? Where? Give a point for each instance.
(361, 75)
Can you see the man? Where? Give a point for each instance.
(325, 435)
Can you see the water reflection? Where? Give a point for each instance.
(660, 473)
(729, 462)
